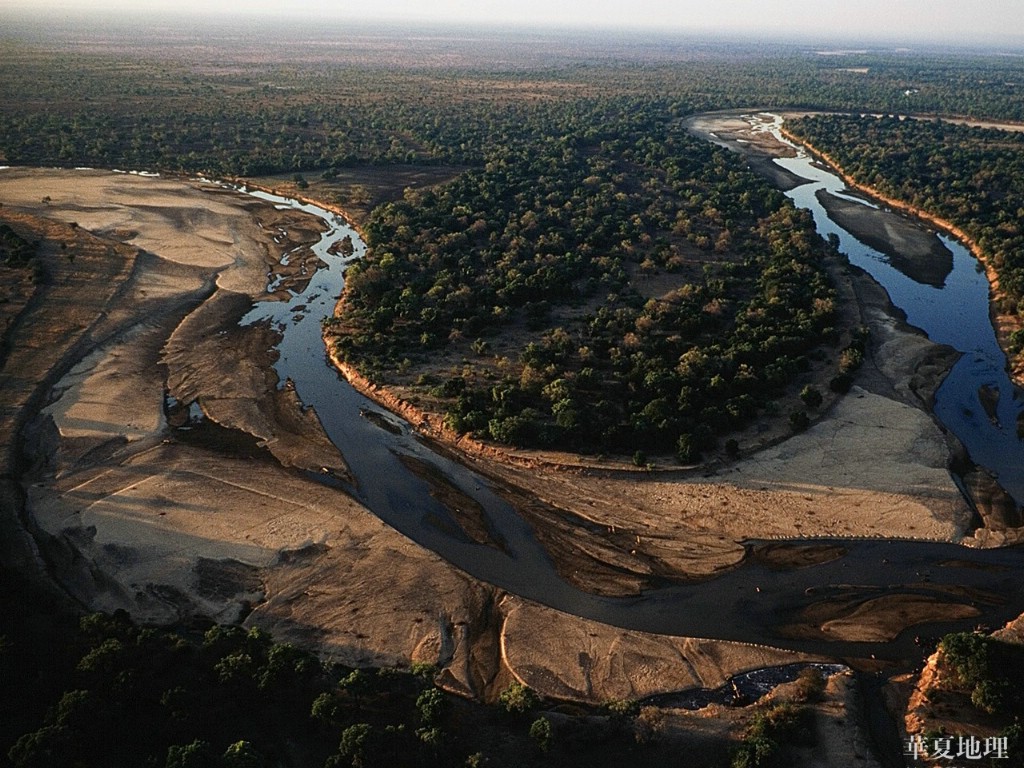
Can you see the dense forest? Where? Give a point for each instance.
(968, 175)
(261, 106)
(550, 241)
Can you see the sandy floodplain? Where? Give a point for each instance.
(135, 327)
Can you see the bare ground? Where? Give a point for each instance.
(130, 512)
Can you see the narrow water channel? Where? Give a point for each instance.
(752, 603)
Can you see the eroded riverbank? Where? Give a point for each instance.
(133, 513)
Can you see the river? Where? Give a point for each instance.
(751, 603)
(955, 313)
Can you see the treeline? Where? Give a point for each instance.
(970, 176)
(553, 235)
(251, 116)
(105, 693)
(657, 295)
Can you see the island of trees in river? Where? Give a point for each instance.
(555, 243)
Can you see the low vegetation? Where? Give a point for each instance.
(772, 731)
(988, 670)
(974, 698)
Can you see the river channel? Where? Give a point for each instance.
(751, 603)
(955, 311)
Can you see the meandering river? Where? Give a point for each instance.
(751, 603)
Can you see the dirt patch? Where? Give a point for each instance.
(788, 555)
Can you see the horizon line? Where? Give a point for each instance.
(722, 33)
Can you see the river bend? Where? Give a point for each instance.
(751, 603)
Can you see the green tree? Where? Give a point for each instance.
(242, 754)
(541, 733)
(517, 699)
(430, 704)
(811, 396)
(687, 451)
(49, 746)
(355, 743)
(198, 754)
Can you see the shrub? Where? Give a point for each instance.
(810, 685)
(540, 732)
(755, 752)
(769, 731)
(811, 396)
(686, 449)
(430, 705)
(648, 725)
(518, 698)
(968, 654)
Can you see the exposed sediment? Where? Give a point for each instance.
(911, 249)
(1005, 323)
(173, 524)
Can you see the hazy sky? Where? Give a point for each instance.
(969, 21)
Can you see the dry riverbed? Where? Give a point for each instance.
(133, 331)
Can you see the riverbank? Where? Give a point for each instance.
(1005, 323)
(177, 525)
(876, 482)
